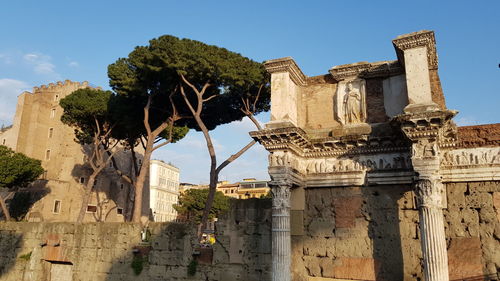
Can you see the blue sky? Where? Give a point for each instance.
(47, 41)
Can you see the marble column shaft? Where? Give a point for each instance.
(281, 241)
(433, 239)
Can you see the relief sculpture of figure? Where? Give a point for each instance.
(352, 105)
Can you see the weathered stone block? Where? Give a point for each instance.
(347, 209)
(354, 247)
(455, 193)
(478, 200)
(354, 268)
(321, 227)
(317, 246)
(312, 266)
(464, 258)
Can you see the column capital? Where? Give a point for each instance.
(281, 195)
(429, 193)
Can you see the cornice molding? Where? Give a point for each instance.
(417, 39)
(286, 64)
(366, 70)
(296, 140)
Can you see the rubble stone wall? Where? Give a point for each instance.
(106, 251)
(353, 233)
(372, 233)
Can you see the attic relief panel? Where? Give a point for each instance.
(476, 156)
(350, 102)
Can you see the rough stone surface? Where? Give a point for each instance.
(372, 233)
(436, 90)
(465, 258)
(104, 251)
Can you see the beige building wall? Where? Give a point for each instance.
(38, 132)
(164, 183)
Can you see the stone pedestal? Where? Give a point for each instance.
(433, 239)
(281, 243)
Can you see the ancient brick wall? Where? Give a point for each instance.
(106, 251)
(372, 233)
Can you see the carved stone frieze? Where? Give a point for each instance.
(360, 163)
(418, 39)
(471, 157)
(424, 149)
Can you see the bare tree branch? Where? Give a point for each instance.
(234, 156)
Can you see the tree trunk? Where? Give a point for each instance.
(86, 196)
(210, 200)
(139, 183)
(5, 209)
(214, 176)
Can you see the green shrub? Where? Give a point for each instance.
(25, 257)
(192, 268)
(138, 264)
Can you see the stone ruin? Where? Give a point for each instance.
(372, 179)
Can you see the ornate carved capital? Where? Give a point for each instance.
(281, 190)
(429, 193)
(417, 39)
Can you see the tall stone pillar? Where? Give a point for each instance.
(428, 131)
(281, 241)
(429, 127)
(433, 239)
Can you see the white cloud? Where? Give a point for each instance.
(5, 59)
(9, 90)
(466, 121)
(245, 125)
(73, 64)
(42, 65)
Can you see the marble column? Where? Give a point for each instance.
(433, 240)
(281, 241)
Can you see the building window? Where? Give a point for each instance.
(91, 208)
(51, 132)
(119, 211)
(82, 180)
(3, 142)
(47, 154)
(53, 113)
(57, 207)
(56, 97)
